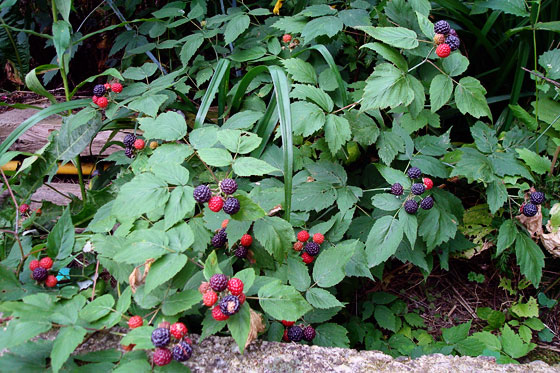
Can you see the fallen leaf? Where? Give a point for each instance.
(257, 326)
(551, 241)
(136, 277)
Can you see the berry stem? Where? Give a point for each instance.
(423, 61)
(441, 71)
(375, 189)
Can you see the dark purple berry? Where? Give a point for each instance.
(40, 274)
(182, 351)
(220, 238)
(99, 90)
(397, 189)
(312, 248)
(231, 206)
(228, 186)
(161, 337)
(202, 194)
(414, 172)
(453, 32)
(427, 203)
(537, 198)
(218, 282)
(309, 333)
(229, 305)
(295, 334)
(418, 189)
(411, 206)
(530, 210)
(129, 152)
(442, 27)
(453, 42)
(128, 140)
(241, 251)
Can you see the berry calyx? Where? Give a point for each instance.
(443, 50)
(229, 305)
(235, 286)
(318, 238)
(288, 323)
(182, 351)
(102, 102)
(116, 87)
(161, 337)
(23, 208)
(135, 322)
(209, 298)
(309, 333)
(246, 240)
(428, 183)
(537, 198)
(46, 263)
(202, 194)
(397, 189)
(139, 144)
(34, 264)
(228, 186)
(215, 203)
(162, 356)
(218, 315)
(286, 38)
(51, 281)
(442, 27)
(414, 172)
(303, 236)
(218, 282)
(529, 210)
(298, 246)
(411, 206)
(231, 206)
(295, 333)
(40, 274)
(427, 203)
(178, 330)
(439, 39)
(417, 189)
(307, 259)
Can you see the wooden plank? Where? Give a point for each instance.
(44, 193)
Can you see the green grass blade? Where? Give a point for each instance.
(265, 126)
(222, 96)
(36, 118)
(242, 87)
(221, 69)
(33, 83)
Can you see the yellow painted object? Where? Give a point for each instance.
(67, 169)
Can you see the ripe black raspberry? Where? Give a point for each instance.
(218, 282)
(529, 210)
(537, 198)
(229, 305)
(129, 152)
(128, 140)
(312, 248)
(453, 42)
(442, 27)
(231, 206)
(427, 203)
(414, 172)
(241, 251)
(397, 189)
(228, 186)
(309, 333)
(453, 32)
(220, 238)
(295, 334)
(99, 90)
(160, 337)
(182, 351)
(202, 194)
(411, 206)
(418, 189)
(40, 274)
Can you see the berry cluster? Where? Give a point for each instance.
(417, 189)
(131, 143)
(225, 295)
(295, 333)
(100, 90)
(446, 39)
(40, 271)
(530, 209)
(25, 210)
(220, 198)
(243, 248)
(175, 334)
(310, 249)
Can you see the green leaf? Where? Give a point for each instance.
(320, 298)
(300, 70)
(512, 344)
(470, 98)
(98, 308)
(327, 25)
(143, 244)
(331, 335)
(180, 302)
(239, 325)
(515, 7)
(506, 236)
(437, 226)
(235, 27)
(550, 61)
(247, 276)
(529, 309)
(317, 95)
(440, 91)
(60, 241)
(409, 223)
(140, 73)
(385, 318)
(237, 141)
(308, 118)
(249, 166)
(192, 43)
(242, 120)
(425, 24)
(298, 274)
(249, 211)
(530, 258)
(364, 129)
(66, 341)
(386, 202)
(142, 194)
(141, 337)
(71, 140)
(168, 126)
(164, 269)
(329, 266)
(275, 235)
(33, 83)
(484, 137)
(282, 302)
(61, 37)
(398, 37)
(148, 103)
(497, 195)
(181, 203)
(389, 145)
(455, 64)
(413, 319)
(215, 157)
(387, 86)
(389, 54)
(383, 240)
(337, 132)
(393, 176)
(457, 333)
(20, 331)
(211, 265)
(354, 17)
(538, 164)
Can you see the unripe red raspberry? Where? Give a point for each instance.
(204, 287)
(23, 208)
(162, 356)
(307, 259)
(34, 264)
(428, 183)
(164, 325)
(51, 281)
(107, 87)
(443, 50)
(94, 99)
(318, 238)
(298, 246)
(135, 322)
(246, 240)
(178, 330)
(288, 323)
(153, 145)
(46, 262)
(218, 315)
(235, 286)
(209, 298)
(216, 203)
(286, 38)
(225, 223)
(285, 336)
(139, 144)
(116, 87)
(241, 298)
(302, 236)
(439, 39)
(102, 102)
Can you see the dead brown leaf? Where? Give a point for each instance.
(12, 73)
(257, 326)
(137, 277)
(551, 241)
(533, 224)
